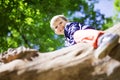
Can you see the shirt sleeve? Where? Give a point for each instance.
(69, 31)
(69, 42)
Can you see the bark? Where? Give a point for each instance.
(76, 62)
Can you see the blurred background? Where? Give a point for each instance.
(26, 22)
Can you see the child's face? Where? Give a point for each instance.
(59, 25)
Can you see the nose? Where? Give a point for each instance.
(58, 30)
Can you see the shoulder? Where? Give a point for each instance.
(73, 24)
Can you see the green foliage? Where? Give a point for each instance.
(116, 17)
(107, 23)
(117, 5)
(26, 22)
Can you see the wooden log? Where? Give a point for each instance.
(76, 62)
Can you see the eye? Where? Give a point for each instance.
(60, 22)
(56, 27)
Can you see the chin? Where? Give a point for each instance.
(61, 34)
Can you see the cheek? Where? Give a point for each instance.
(56, 31)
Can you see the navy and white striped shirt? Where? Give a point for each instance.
(69, 30)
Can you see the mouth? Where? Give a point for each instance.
(62, 30)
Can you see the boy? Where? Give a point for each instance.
(75, 32)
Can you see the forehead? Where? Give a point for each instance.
(58, 20)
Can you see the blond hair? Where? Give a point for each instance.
(55, 18)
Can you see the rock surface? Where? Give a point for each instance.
(76, 62)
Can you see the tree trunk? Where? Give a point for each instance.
(76, 62)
